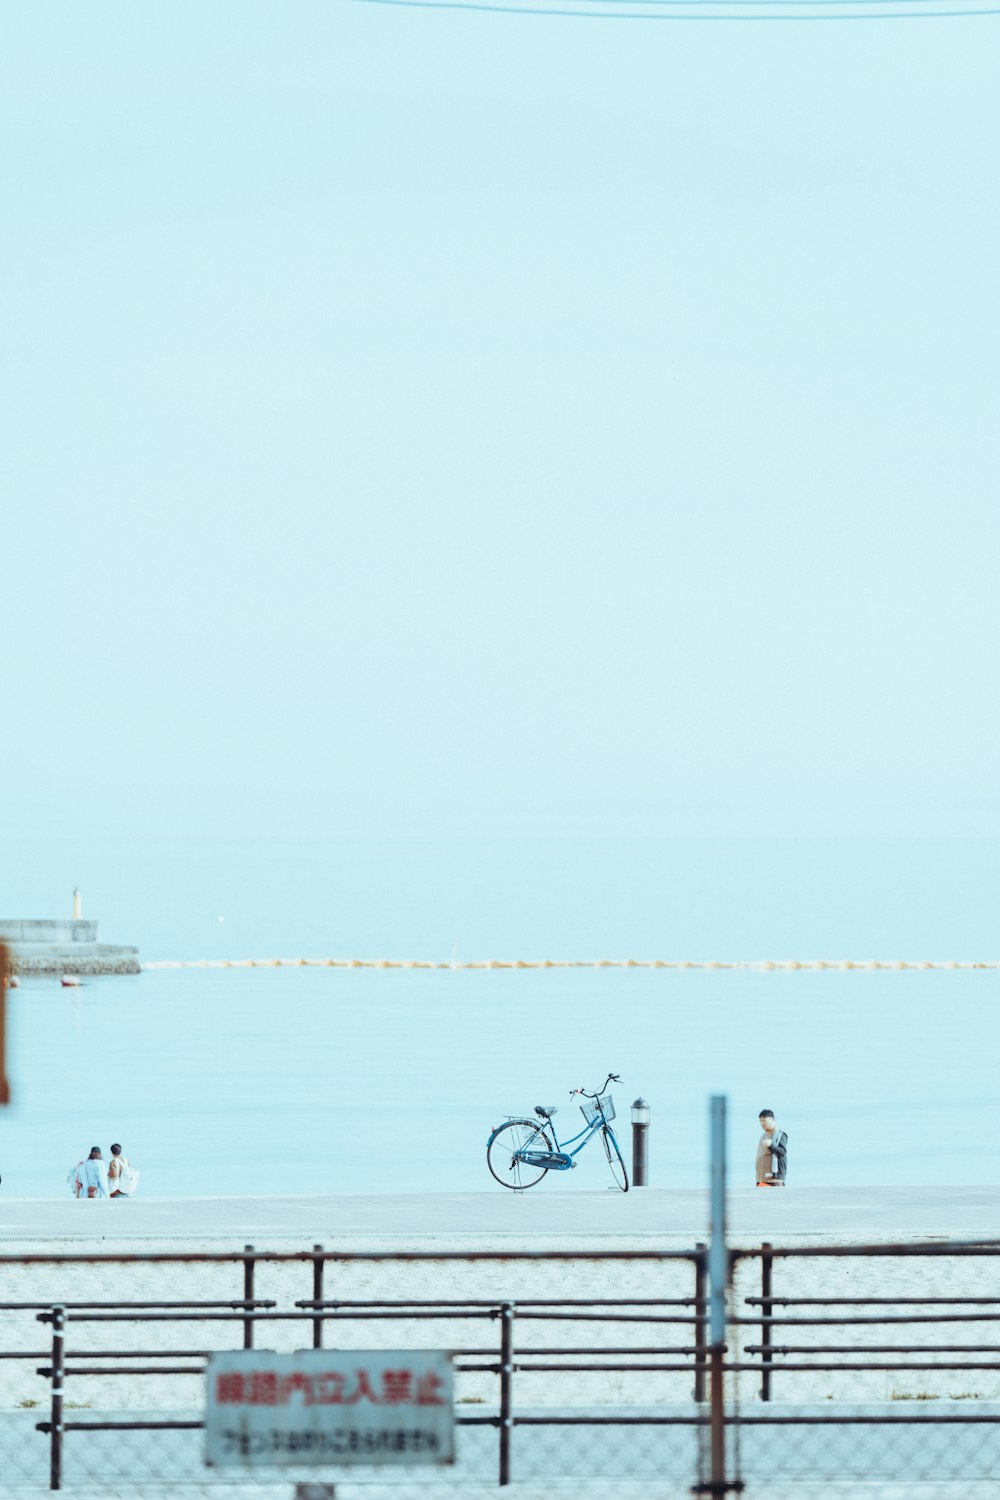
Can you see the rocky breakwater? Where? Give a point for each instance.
(38, 946)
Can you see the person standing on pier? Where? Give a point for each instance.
(772, 1152)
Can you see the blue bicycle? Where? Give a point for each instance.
(520, 1152)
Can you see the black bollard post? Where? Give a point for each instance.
(640, 1143)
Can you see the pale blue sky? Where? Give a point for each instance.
(420, 421)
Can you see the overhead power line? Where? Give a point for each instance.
(690, 10)
(694, 5)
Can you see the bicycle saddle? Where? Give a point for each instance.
(545, 1110)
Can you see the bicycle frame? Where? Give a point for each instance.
(589, 1130)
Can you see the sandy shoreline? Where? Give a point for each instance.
(497, 1223)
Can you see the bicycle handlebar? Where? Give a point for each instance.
(611, 1078)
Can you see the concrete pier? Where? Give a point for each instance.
(538, 1219)
(69, 946)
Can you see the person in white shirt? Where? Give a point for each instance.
(92, 1175)
(118, 1173)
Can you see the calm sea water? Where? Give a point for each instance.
(321, 1080)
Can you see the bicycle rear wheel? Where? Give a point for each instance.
(614, 1156)
(516, 1135)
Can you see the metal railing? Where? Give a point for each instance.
(778, 1331)
(935, 1311)
(499, 1359)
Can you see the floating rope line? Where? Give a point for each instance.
(764, 965)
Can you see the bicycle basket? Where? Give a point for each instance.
(591, 1112)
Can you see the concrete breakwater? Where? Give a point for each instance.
(40, 946)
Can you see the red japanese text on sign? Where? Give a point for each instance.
(329, 1388)
(329, 1406)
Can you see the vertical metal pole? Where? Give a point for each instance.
(56, 1419)
(248, 1294)
(700, 1308)
(318, 1264)
(640, 1143)
(506, 1387)
(717, 1426)
(718, 1257)
(718, 1276)
(766, 1266)
(5, 978)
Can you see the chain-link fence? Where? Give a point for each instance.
(845, 1368)
(865, 1366)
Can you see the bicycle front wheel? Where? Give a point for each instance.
(614, 1156)
(517, 1135)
